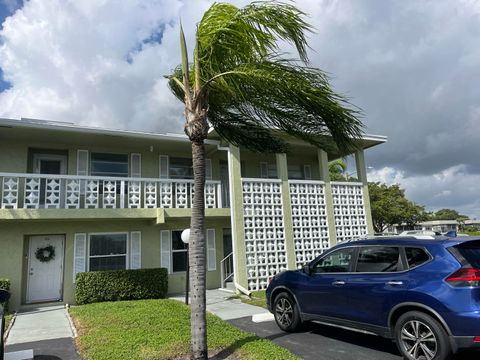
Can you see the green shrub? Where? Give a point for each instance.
(114, 285)
(5, 284)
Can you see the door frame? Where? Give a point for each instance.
(62, 280)
(37, 157)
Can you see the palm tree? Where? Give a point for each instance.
(240, 85)
(337, 170)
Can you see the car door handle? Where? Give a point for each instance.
(338, 283)
(395, 283)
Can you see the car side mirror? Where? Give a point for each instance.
(306, 269)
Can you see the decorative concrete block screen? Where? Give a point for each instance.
(309, 216)
(349, 210)
(264, 231)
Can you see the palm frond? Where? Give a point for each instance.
(250, 90)
(229, 36)
(282, 95)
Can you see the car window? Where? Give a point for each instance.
(378, 259)
(338, 261)
(471, 252)
(416, 256)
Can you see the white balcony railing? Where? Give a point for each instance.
(34, 191)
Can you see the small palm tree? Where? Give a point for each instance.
(240, 85)
(337, 170)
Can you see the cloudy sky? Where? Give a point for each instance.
(411, 65)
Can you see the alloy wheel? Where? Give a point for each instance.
(284, 312)
(419, 341)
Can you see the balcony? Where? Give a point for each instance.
(39, 191)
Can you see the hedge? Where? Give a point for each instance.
(115, 285)
(5, 284)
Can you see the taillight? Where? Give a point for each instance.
(465, 277)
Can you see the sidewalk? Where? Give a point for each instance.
(220, 303)
(44, 332)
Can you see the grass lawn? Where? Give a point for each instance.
(472, 233)
(257, 298)
(157, 330)
(8, 318)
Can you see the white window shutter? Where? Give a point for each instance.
(79, 253)
(136, 165)
(211, 252)
(82, 162)
(164, 167)
(135, 250)
(264, 170)
(307, 172)
(208, 169)
(165, 250)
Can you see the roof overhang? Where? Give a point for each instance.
(364, 142)
(70, 131)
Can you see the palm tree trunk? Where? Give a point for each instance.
(197, 256)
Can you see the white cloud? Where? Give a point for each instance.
(453, 187)
(92, 62)
(411, 66)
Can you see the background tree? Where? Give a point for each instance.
(447, 214)
(241, 84)
(390, 206)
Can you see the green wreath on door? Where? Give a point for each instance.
(45, 254)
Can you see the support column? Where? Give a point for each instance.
(237, 217)
(325, 176)
(362, 177)
(282, 172)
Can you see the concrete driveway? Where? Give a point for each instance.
(320, 342)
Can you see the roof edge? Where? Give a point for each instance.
(30, 123)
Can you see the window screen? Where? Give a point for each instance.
(179, 252)
(181, 168)
(109, 165)
(378, 259)
(108, 252)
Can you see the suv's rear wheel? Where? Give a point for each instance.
(286, 312)
(420, 337)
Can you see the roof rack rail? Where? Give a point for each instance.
(372, 237)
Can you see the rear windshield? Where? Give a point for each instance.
(471, 252)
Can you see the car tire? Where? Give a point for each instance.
(286, 313)
(421, 337)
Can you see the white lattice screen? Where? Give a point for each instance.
(264, 231)
(349, 210)
(309, 216)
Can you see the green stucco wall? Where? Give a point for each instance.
(14, 249)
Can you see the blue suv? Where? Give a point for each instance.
(422, 293)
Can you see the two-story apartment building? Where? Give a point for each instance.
(76, 199)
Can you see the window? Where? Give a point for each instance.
(109, 165)
(108, 252)
(338, 261)
(295, 172)
(179, 252)
(416, 256)
(180, 168)
(379, 259)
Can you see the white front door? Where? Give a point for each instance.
(45, 277)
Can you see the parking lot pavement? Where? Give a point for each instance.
(322, 342)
